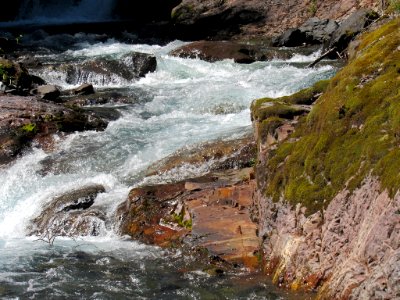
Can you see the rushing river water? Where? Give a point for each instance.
(186, 101)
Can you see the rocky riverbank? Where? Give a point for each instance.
(327, 198)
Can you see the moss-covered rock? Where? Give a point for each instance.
(352, 131)
(14, 75)
(287, 107)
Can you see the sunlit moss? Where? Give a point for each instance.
(353, 130)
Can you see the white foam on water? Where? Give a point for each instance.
(186, 93)
(189, 101)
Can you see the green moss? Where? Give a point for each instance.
(278, 109)
(353, 130)
(180, 219)
(303, 97)
(29, 128)
(181, 11)
(394, 6)
(268, 127)
(6, 70)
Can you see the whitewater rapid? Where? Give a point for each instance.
(184, 102)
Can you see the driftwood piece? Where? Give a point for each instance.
(321, 57)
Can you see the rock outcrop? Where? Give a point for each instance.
(327, 200)
(350, 27)
(350, 251)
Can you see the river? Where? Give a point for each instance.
(184, 102)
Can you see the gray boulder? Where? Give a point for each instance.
(314, 31)
(350, 27)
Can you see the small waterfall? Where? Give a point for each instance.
(66, 11)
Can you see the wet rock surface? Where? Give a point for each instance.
(102, 71)
(69, 215)
(100, 97)
(220, 155)
(211, 212)
(48, 92)
(84, 89)
(24, 118)
(218, 50)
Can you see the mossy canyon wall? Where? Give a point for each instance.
(327, 200)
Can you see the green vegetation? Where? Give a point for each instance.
(261, 108)
(394, 6)
(6, 70)
(180, 219)
(29, 128)
(182, 10)
(353, 131)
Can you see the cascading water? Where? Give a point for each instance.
(66, 11)
(180, 104)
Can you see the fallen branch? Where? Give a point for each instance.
(325, 54)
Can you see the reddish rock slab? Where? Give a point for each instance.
(211, 212)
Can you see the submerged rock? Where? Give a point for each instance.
(98, 98)
(63, 215)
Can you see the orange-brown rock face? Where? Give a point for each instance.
(211, 212)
